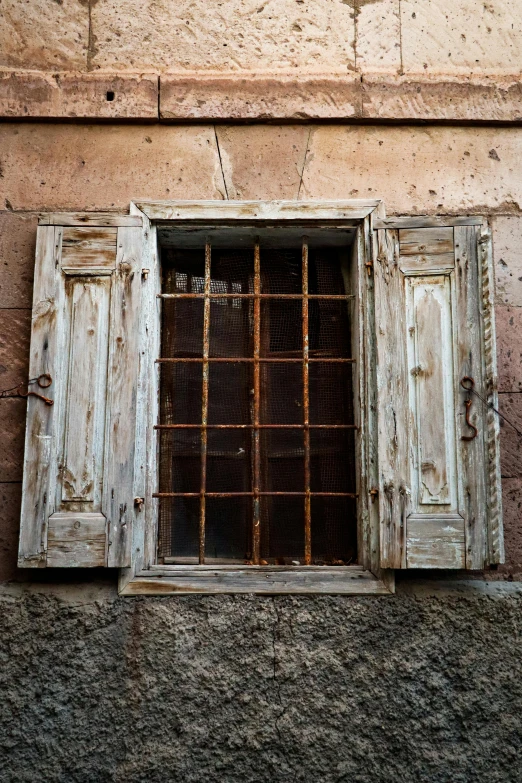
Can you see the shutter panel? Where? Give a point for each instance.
(439, 496)
(78, 500)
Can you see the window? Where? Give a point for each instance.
(206, 357)
(256, 344)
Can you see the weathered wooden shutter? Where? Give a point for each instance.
(79, 468)
(439, 487)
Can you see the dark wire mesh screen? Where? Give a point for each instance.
(285, 442)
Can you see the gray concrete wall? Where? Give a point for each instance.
(420, 687)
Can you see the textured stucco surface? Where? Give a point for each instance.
(420, 687)
(238, 34)
(449, 36)
(44, 35)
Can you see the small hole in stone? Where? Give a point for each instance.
(110, 95)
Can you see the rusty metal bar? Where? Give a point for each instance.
(253, 296)
(234, 359)
(204, 403)
(260, 426)
(252, 494)
(256, 450)
(306, 412)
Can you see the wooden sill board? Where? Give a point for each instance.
(272, 580)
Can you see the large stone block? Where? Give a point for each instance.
(17, 245)
(507, 252)
(509, 348)
(240, 34)
(43, 36)
(461, 37)
(417, 170)
(263, 162)
(448, 97)
(259, 96)
(78, 95)
(512, 513)
(12, 427)
(15, 333)
(378, 36)
(11, 500)
(510, 406)
(74, 167)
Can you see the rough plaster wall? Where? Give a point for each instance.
(396, 36)
(414, 688)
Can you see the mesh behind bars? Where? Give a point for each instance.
(286, 457)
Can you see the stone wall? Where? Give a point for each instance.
(395, 36)
(416, 170)
(420, 686)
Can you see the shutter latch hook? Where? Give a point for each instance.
(468, 384)
(43, 382)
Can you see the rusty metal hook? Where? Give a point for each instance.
(43, 381)
(468, 384)
(468, 404)
(40, 397)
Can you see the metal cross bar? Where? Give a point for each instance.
(256, 522)
(306, 412)
(254, 494)
(204, 403)
(260, 426)
(233, 359)
(183, 295)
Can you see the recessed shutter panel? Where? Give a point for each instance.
(439, 497)
(78, 499)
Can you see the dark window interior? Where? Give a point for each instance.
(271, 478)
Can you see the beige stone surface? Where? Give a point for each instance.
(42, 35)
(49, 167)
(461, 36)
(417, 170)
(77, 95)
(229, 96)
(414, 169)
(11, 500)
(298, 96)
(507, 253)
(17, 246)
(510, 406)
(233, 35)
(449, 97)
(370, 95)
(263, 161)
(12, 427)
(15, 333)
(509, 348)
(378, 36)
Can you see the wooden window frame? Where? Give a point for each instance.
(119, 256)
(145, 576)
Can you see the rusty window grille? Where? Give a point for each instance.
(257, 431)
